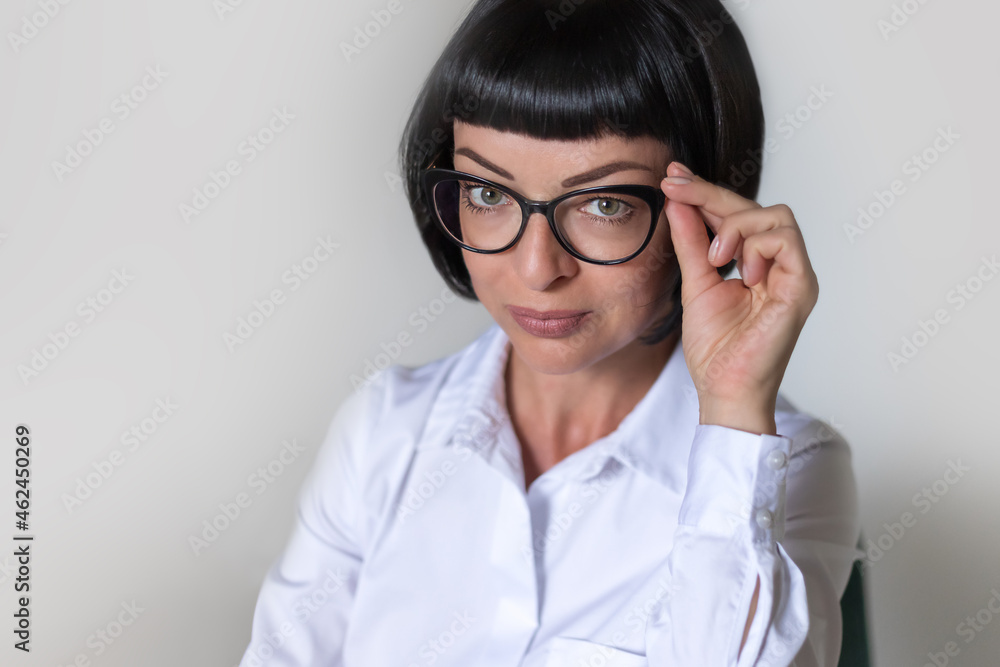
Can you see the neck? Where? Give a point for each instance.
(555, 415)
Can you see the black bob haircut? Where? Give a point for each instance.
(676, 70)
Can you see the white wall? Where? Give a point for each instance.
(188, 282)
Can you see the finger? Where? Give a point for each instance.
(744, 224)
(690, 241)
(781, 247)
(715, 201)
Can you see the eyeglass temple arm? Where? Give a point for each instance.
(434, 162)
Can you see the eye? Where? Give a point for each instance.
(605, 206)
(489, 196)
(484, 195)
(608, 207)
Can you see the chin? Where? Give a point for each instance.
(557, 356)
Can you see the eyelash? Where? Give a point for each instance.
(467, 200)
(621, 219)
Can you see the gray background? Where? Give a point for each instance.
(330, 173)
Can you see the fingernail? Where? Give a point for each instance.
(676, 180)
(713, 249)
(684, 168)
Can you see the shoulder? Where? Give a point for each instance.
(368, 449)
(376, 429)
(821, 485)
(402, 397)
(808, 433)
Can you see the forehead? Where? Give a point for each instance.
(512, 148)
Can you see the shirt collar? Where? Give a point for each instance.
(654, 438)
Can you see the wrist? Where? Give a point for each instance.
(741, 416)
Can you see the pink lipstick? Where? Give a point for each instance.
(548, 323)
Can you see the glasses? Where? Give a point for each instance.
(600, 225)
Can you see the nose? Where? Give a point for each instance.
(538, 258)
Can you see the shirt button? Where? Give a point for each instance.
(776, 460)
(764, 519)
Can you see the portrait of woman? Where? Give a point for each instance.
(609, 475)
(499, 333)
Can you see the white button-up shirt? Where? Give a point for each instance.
(416, 542)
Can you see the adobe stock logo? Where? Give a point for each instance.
(88, 310)
(381, 18)
(248, 149)
(121, 107)
(924, 500)
(899, 17)
(223, 7)
(962, 294)
(916, 166)
(105, 467)
(265, 308)
(33, 23)
(232, 509)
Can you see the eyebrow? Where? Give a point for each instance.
(586, 177)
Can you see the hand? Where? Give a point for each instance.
(737, 334)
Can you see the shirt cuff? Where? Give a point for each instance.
(736, 479)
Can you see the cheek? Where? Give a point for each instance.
(471, 261)
(482, 272)
(649, 278)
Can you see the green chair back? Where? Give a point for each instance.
(854, 649)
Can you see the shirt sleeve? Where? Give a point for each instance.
(733, 530)
(304, 606)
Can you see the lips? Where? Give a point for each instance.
(548, 323)
(546, 314)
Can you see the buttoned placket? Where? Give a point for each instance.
(524, 512)
(768, 502)
(517, 612)
(487, 429)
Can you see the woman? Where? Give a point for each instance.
(608, 475)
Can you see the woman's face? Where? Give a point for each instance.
(622, 300)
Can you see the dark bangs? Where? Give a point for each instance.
(677, 71)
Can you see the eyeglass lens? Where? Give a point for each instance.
(603, 226)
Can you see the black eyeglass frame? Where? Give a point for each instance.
(651, 195)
